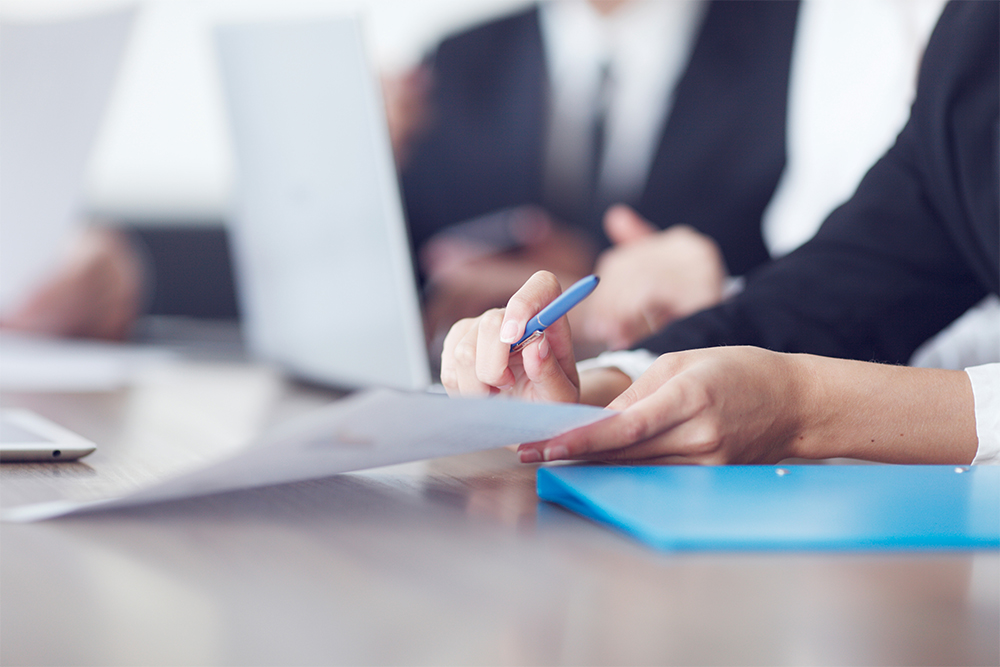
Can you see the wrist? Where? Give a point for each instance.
(808, 399)
(879, 412)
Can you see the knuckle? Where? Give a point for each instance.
(457, 331)
(635, 428)
(491, 317)
(705, 440)
(698, 398)
(465, 353)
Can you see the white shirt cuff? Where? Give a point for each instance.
(632, 363)
(986, 393)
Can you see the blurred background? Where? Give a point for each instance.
(164, 154)
(509, 162)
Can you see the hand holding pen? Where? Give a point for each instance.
(485, 355)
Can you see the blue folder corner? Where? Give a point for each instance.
(801, 507)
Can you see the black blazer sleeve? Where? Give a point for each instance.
(916, 245)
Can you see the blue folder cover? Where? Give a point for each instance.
(803, 507)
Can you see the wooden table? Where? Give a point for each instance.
(450, 561)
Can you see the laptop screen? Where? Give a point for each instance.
(323, 266)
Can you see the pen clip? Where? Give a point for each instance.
(517, 347)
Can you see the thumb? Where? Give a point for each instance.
(623, 225)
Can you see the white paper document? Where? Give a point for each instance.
(371, 429)
(56, 79)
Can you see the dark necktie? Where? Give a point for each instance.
(602, 104)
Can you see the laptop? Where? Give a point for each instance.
(323, 266)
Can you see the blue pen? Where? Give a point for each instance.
(576, 293)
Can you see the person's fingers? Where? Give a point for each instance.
(538, 292)
(491, 353)
(95, 293)
(620, 318)
(648, 452)
(600, 314)
(465, 365)
(623, 225)
(560, 340)
(654, 379)
(647, 417)
(692, 441)
(449, 364)
(548, 377)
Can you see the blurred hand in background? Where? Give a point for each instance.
(481, 265)
(649, 278)
(96, 292)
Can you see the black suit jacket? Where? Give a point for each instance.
(720, 155)
(918, 243)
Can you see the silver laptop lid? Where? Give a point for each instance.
(323, 266)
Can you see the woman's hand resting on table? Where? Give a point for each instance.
(710, 406)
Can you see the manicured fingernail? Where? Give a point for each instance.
(543, 348)
(555, 453)
(508, 332)
(530, 456)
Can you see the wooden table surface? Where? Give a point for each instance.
(445, 562)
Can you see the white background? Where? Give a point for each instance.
(163, 151)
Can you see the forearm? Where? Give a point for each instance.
(878, 412)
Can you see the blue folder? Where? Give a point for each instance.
(802, 507)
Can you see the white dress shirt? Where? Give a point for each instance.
(644, 46)
(852, 81)
(853, 78)
(986, 390)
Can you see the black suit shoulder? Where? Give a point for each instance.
(915, 246)
(722, 150)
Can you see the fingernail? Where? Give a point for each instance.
(505, 387)
(530, 456)
(508, 332)
(543, 348)
(555, 453)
